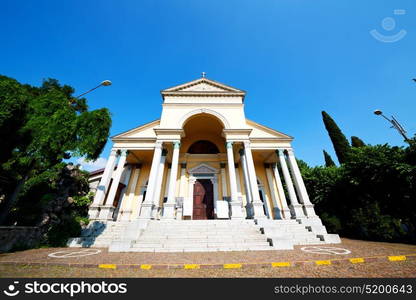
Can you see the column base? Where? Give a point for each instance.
(155, 212)
(125, 215)
(106, 213)
(309, 210)
(93, 212)
(146, 211)
(258, 210)
(297, 211)
(169, 211)
(286, 214)
(179, 213)
(236, 211)
(278, 214)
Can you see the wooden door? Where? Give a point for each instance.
(203, 200)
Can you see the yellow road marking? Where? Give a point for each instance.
(145, 267)
(191, 266)
(281, 264)
(357, 260)
(322, 262)
(232, 266)
(397, 258)
(107, 266)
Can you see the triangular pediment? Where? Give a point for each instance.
(203, 169)
(202, 85)
(143, 131)
(260, 131)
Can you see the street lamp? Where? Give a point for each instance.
(394, 122)
(103, 83)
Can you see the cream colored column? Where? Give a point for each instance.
(300, 185)
(146, 207)
(158, 188)
(107, 210)
(257, 203)
(223, 182)
(297, 211)
(127, 210)
(169, 206)
(237, 177)
(247, 186)
(126, 176)
(214, 182)
(281, 193)
(236, 212)
(182, 193)
(277, 211)
(103, 185)
(188, 204)
(182, 182)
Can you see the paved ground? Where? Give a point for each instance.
(296, 263)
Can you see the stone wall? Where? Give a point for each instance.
(18, 237)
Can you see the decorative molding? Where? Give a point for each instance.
(204, 111)
(169, 131)
(203, 169)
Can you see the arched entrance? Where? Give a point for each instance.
(203, 202)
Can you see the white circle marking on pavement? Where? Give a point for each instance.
(325, 250)
(72, 253)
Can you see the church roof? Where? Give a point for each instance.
(202, 86)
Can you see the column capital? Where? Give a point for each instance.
(176, 144)
(113, 151)
(246, 144)
(280, 151)
(183, 165)
(124, 152)
(267, 165)
(290, 151)
(192, 180)
(138, 166)
(229, 144)
(222, 165)
(158, 144)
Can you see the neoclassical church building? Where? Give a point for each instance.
(201, 178)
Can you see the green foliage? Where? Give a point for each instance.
(371, 196)
(39, 128)
(59, 234)
(357, 142)
(328, 160)
(83, 200)
(338, 139)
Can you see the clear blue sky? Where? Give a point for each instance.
(293, 57)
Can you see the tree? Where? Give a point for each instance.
(357, 142)
(328, 160)
(52, 125)
(338, 139)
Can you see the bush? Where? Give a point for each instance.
(59, 234)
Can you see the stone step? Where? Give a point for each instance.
(213, 239)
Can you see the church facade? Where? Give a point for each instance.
(204, 165)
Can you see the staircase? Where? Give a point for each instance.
(99, 234)
(201, 236)
(285, 233)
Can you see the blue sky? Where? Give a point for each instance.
(293, 57)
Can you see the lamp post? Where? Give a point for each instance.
(395, 123)
(103, 83)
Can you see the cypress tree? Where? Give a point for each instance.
(338, 139)
(328, 160)
(357, 142)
